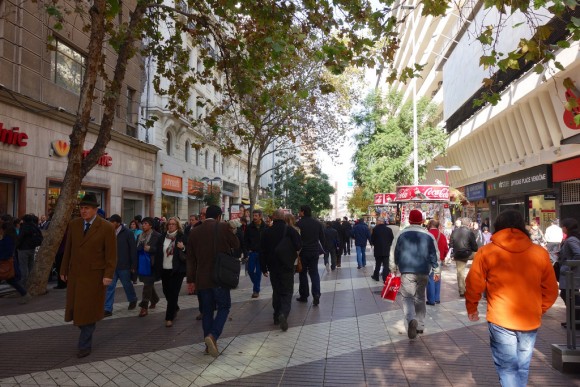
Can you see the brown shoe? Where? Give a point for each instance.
(143, 312)
(153, 305)
(255, 295)
(168, 324)
(199, 316)
(211, 345)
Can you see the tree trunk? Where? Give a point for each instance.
(78, 167)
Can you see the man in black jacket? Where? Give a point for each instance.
(347, 228)
(252, 244)
(382, 239)
(126, 264)
(332, 243)
(464, 245)
(312, 235)
(279, 250)
(341, 237)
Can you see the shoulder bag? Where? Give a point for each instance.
(226, 268)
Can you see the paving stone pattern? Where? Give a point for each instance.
(353, 338)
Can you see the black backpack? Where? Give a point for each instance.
(36, 237)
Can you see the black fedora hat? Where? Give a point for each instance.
(89, 200)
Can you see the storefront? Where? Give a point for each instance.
(566, 176)
(529, 191)
(33, 166)
(172, 187)
(475, 194)
(194, 196)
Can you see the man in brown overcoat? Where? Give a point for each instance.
(88, 266)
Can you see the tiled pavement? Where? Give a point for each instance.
(353, 338)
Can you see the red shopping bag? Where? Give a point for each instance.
(391, 288)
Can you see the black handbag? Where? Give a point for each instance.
(226, 268)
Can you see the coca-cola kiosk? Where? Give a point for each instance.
(385, 207)
(431, 200)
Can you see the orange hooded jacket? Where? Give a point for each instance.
(518, 279)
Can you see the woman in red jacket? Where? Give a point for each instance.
(434, 287)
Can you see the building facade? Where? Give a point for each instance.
(517, 153)
(39, 91)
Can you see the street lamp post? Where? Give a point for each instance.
(447, 169)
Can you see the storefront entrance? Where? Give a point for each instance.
(542, 209)
(9, 196)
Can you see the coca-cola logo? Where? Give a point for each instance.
(437, 193)
(404, 194)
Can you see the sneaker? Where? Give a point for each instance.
(132, 305)
(211, 345)
(108, 313)
(283, 323)
(255, 295)
(327, 267)
(316, 300)
(412, 331)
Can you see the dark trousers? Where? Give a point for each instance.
(210, 300)
(384, 261)
(346, 247)
(309, 268)
(16, 285)
(282, 291)
(149, 292)
(86, 336)
(171, 282)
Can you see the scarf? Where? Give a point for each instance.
(144, 239)
(171, 236)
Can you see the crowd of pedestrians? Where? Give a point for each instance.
(97, 253)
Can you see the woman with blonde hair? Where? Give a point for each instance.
(170, 266)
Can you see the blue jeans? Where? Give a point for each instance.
(254, 270)
(511, 352)
(210, 300)
(309, 267)
(125, 277)
(433, 290)
(361, 258)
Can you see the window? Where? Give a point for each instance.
(224, 161)
(168, 143)
(131, 106)
(187, 151)
(67, 67)
(197, 157)
(215, 162)
(206, 159)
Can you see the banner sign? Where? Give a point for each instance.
(171, 183)
(528, 180)
(475, 191)
(422, 193)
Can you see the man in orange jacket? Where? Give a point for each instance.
(519, 282)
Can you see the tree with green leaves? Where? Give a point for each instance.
(359, 202)
(311, 188)
(382, 159)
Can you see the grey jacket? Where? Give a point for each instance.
(569, 251)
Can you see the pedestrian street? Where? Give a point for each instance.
(353, 338)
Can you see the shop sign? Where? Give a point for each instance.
(105, 160)
(532, 179)
(528, 180)
(13, 136)
(423, 192)
(475, 191)
(171, 183)
(384, 198)
(60, 148)
(566, 170)
(550, 197)
(379, 198)
(194, 187)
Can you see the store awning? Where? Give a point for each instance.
(193, 197)
(245, 201)
(172, 194)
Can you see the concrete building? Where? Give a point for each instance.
(39, 91)
(521, 153)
